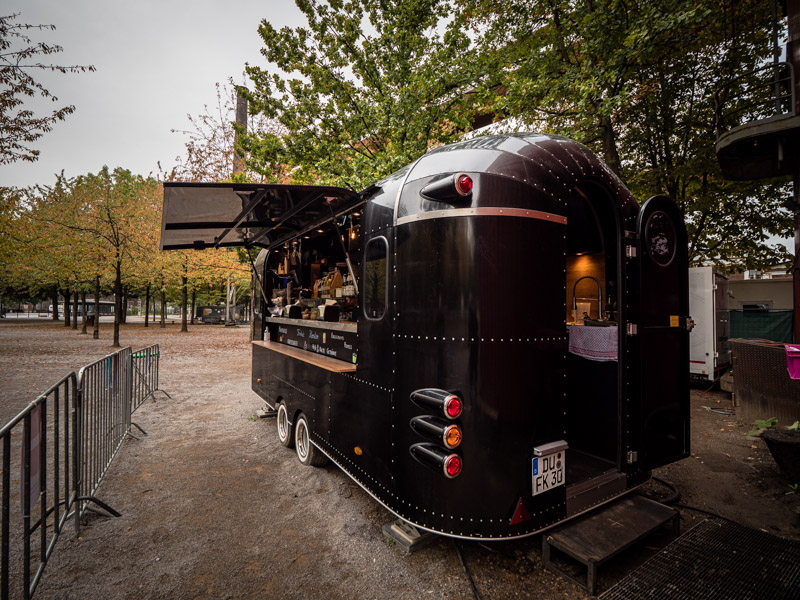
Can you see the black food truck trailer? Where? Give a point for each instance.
(489, 341)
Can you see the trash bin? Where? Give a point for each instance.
(90, 321)
(793, 360)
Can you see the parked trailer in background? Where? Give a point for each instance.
(213, 315)
(709, 345)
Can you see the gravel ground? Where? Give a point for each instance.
(214, 507)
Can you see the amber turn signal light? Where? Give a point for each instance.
(452, 436)
(437, 429)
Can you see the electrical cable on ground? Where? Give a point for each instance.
(676, 495)
(466, 571)
(704, 511)
(728, 412)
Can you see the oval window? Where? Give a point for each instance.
(375, 278)
(660, 238)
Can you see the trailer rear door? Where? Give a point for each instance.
(663, 337)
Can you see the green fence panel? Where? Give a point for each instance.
(773, 325)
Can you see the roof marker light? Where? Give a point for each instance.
(463, 184)
(452, 189)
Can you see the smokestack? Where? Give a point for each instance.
(241, 121)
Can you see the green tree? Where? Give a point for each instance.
(43, 256)
(19, 56)
(114, 208)
(363, 89)
(635, 81)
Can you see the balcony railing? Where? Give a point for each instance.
(761, 95)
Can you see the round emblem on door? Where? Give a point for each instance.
(659, 237)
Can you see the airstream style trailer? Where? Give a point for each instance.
(490, 341)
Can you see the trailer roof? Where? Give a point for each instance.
(216, 215)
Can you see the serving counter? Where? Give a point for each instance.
(311, 340)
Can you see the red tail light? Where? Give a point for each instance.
(438, 459)
(452, 465)
(453, 407)
(450, 404)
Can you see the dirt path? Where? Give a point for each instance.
(214, 507)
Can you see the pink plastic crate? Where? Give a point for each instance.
(793, 360)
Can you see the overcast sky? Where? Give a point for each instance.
(156, 60)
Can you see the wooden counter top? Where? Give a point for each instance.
(319, 360)
(329, 325)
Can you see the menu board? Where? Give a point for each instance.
(340, 345)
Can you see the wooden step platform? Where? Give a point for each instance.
(604, 533)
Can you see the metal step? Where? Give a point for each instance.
(604, 533)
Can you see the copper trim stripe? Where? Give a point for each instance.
(485, 212)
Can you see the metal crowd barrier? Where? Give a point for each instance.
(145, 376)
(105, 417)
(43, 463)
(55, 454)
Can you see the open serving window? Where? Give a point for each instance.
(310, 235)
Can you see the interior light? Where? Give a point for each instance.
(320, 231)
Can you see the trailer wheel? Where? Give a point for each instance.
(285, 433)
(307, 453)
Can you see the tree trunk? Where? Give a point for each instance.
(184, 301)
(54, 300)
(117, 301)
(194, 301)
(83, 312)
(75, 310)
(610, 150)
(66, 308)
(163, 324)
(96, 331)
(147, 305)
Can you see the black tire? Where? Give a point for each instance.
(284, 427)
(307, 453)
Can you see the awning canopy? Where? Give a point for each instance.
(216, 215)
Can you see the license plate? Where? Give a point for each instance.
(548, 472)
